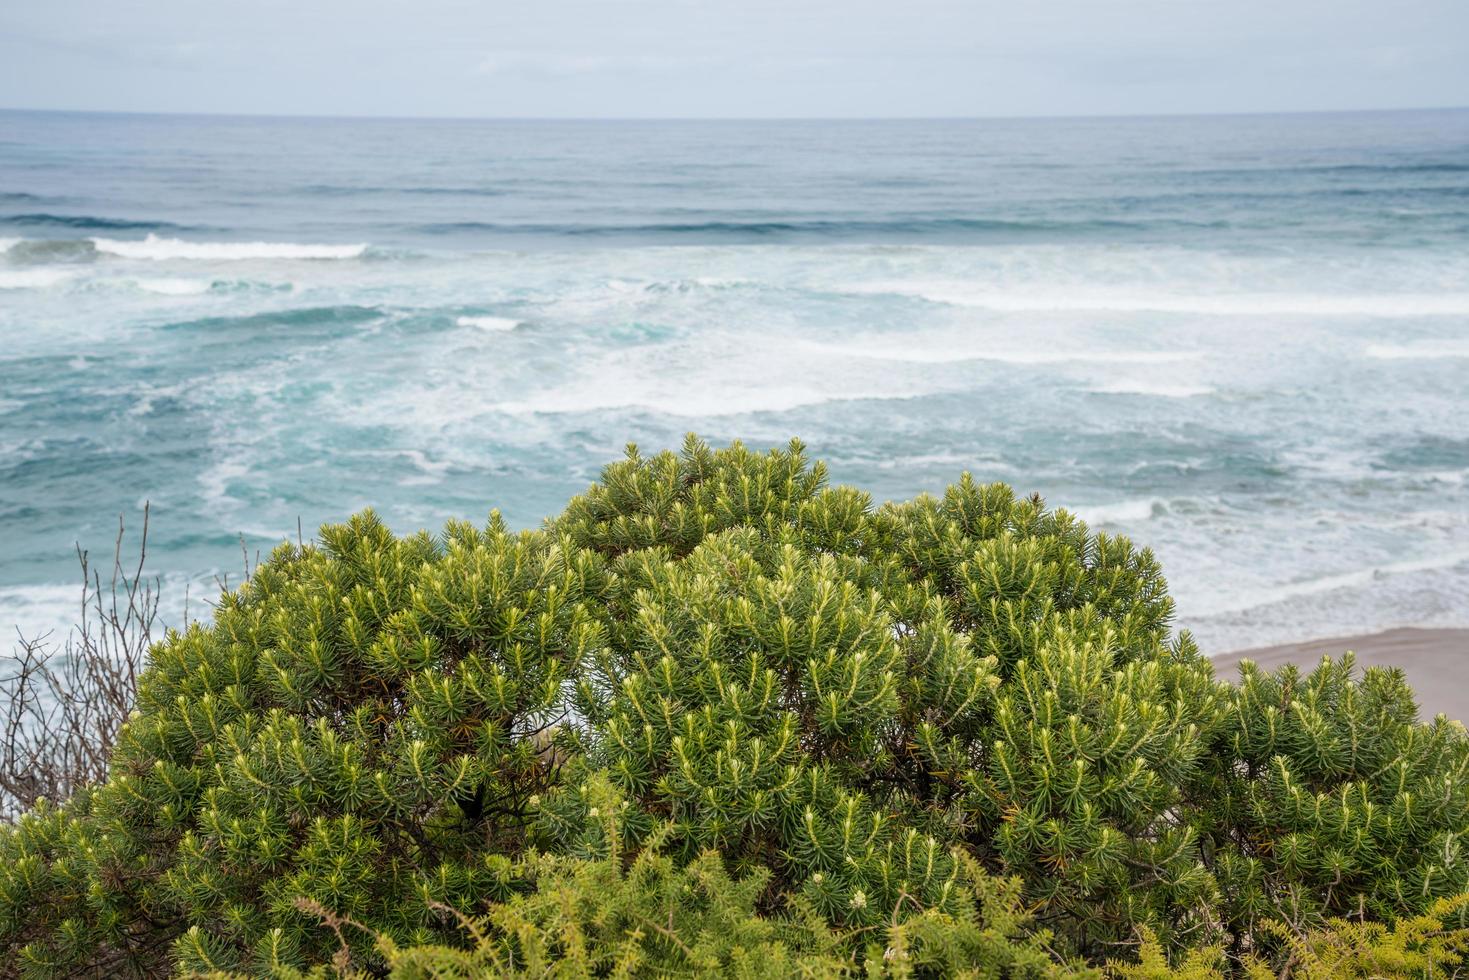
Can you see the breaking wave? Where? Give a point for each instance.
(154, 247)
(1061, 300)
(87, 222)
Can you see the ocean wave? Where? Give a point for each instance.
(174, 287)
(706, 402)
(348, 190)
(181, 285)
(1241, 600)
(1430, 351)
(696, 284)
(953, 461)
(1258, 304)
(912, 227)
(217, 480)
(1122, 512)
(915, 353)
(52, 612)
(154, 247)
(430, 472)
(1423, 167)
(88, 222)
(34, 278)
(494, 324)
(46, 612)
(311, 316)
(6, 244)
(1150, 389)
(1334, 169)
(40, 250)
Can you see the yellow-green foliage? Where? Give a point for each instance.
(1333, 799)
(1428, 946)
(652, 917)
(841, 709)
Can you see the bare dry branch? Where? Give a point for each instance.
(61, 705)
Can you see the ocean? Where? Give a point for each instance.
(1242, 341)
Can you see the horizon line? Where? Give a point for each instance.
(368, 117)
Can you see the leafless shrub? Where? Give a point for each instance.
(61, 705)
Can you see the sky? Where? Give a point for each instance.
(733, 58)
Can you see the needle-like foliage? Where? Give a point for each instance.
(813, 706)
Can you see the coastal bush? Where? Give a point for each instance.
(648, 915)
(1327, 798)
(713, 667)
(842, 693)
(1427, 946)
(362, 723)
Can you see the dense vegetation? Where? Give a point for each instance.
(718, 716)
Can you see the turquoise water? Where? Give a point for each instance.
(1242, 340)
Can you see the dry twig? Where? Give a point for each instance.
(61, 706)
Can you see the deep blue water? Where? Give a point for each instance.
(1241, 340)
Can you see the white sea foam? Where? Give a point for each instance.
(1062, 299)
(154, 247)
(214, 482)
(430, 471)
(37, 611)
(6, 244)
(493, 324)
(916, 353)
(1429, 351)
(34, 278)
(686, 404)
(952, 461)
(707, 401)
(174, 287)
(1122, 512)
(1451, 477)
(1151, 389)
(1238, 600)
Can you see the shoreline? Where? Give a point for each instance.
(1435, 661)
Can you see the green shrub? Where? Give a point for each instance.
(360, 725)
(848, 705)
(1429, 946)
(841, 693)
(1328, 799)
(652, 916)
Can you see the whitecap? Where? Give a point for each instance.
(1240, 600)
(916, 353)
(1122, 512)
(493, 324)
(704, 402)
(174, 287)
(37, 611)
(954, 460)
(430, 471)
(1061, 300)
(1151, 389)
(214, 482)
(34, 278)
(1430, 351)
(154, 247)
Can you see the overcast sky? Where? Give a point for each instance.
(622, 58)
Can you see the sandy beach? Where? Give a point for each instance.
(1436, 662)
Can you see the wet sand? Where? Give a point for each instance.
(1436, 662)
